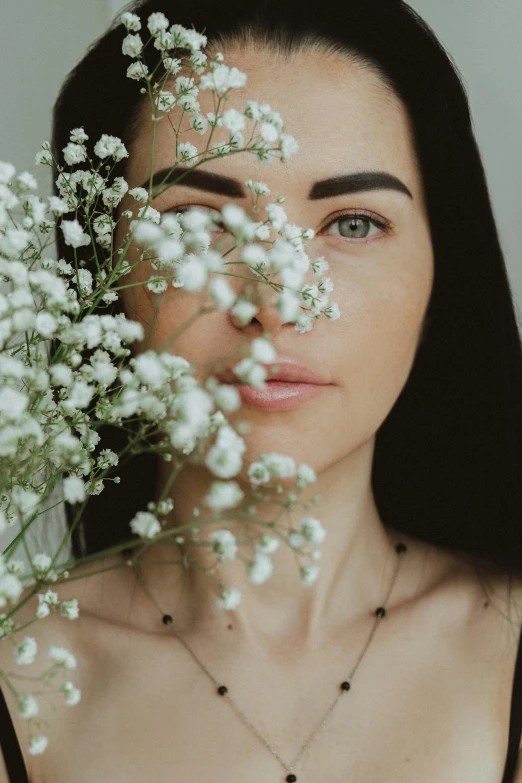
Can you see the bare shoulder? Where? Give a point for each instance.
(95, 586)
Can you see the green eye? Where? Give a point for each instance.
(357, 226)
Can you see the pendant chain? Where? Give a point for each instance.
(222, 690)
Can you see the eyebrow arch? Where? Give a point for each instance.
(326, 188)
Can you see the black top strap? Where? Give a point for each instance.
(14, 760)
(515, 722)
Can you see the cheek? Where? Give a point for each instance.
(383, 303)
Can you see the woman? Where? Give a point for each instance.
(415, 439)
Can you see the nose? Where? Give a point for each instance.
(267, 318)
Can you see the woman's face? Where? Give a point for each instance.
(346, 122)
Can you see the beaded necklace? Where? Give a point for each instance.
(222, 690)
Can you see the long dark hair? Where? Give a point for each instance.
(448, 458)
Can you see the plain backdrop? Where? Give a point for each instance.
(41, 41)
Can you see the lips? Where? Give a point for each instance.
(288, 372)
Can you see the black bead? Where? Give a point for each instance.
(380, 611)
(400, 548)
(345, 686)
(166, 619)
(222, 690)
(291, 778)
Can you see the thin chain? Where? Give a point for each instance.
(380, 612)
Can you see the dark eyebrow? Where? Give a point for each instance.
(356, 183)
(326, 188)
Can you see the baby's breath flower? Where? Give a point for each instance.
(28, 706)
(295, 539)
(186, 150)
(312, 530)
(145, 524)
(258, 473)
(261, 350)
(78, 135)
(230, 599)
(62, 657)
(260, 569)
(43, 158)
(132, 45)
(131, 21)
(137, 71)
(308, 574)
(110, 146)
(73, 234)
(267, 545)
(223, 544)
(37, 744)
(305, 475)
(157, 22)
(70, 609)
(72, 694)
(74, 153)
(172, 65)
(139, 194)
(25, 651)
(223, 494)
(244, 311)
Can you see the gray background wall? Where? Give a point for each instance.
(482, 37)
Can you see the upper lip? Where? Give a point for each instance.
(288, 371)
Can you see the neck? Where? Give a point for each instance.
(357, 563)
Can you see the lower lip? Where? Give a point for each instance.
(279, 395)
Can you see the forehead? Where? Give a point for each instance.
(339, 110)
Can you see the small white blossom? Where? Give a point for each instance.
(267, 545)
(7, 172)
(172, 65)
(131, 21)
(261, 350)
(223, 544)
(74, 153)
(137, 71)
(223, 494)
(227, 398)
(62, 657)
(72, 694)
(157, 22)
(74, 489)
(25, 651)
(70, 609)
(260, 569)
(139, 194)
(312, 530)
(296, 540)
(221, 292)
(308, 574)
(12, 403)
(73, 234)
(244, 311)
(28, 706)
(186, 150)
(230, 599)
(46, 324)
(288, 146)
(251, 373)
(132, 45)
(258, 473)
(110, 146)
(58, 205)
(26, 181)
(78, 135)
(37, 744)
(145, 524)
(305, 475)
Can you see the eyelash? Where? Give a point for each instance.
(385, 225)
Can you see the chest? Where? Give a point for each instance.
(413, 713)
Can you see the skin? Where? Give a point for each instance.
(432, 697)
